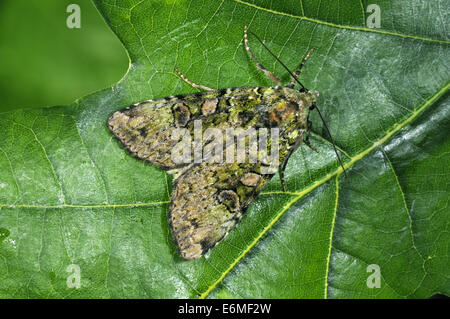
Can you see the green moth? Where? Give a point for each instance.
(215, 179)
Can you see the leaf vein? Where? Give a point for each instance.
(348, 27)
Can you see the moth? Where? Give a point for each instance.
(210, 195)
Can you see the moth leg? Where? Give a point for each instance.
(310, 145)
(283, 168)
(292, 150)
(197, 86)
(299, 69)
(306, 141)
(269, 74)
(283, 182)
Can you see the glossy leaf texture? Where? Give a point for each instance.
(69, 194)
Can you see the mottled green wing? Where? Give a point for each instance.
(145, 129)
(207, 202)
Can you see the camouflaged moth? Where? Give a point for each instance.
(209, 197)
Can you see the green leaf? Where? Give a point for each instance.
(69, 194)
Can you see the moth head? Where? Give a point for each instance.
(303, 102)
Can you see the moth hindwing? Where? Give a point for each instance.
(218, 146)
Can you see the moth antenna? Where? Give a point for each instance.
(279, 61)
(331, 138)
(299, 69)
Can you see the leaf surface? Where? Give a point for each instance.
(70, 195)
